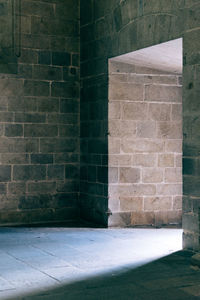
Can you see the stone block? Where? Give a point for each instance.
(114, 110)
(178, 161)
(113, 204)
(168, 218)
(152, 175)
(16, 188)
(29, 172)
(128, 128)
(6, 117)
(25, 71)
(48, 104)
(177, 202)
(129, 175)
(57, 118)
(115, 78)
(191, 222)
(142, 218)
(44, 57)
(71, 74)
(114, 145)
(61, 89)
(61, 58)
(122, 219)
(30, 118)
(68, 186)
(3, 191)
(166, 160)
(18, 145)
(169, 189)
(113, 175)
(120, 160)
(56, 145)
(38, 9)
(158, 203)
(131, 203)
(177, 112)
(114, 128)
(142, 145)
(133, 190)
(163, 93)
(3, 103)
(191, 185)
(159, 112)
(28, 56)
(37, 130)
(144, 160)
(55, 172)
(146, 129)
(13, 130)
(14, 158)
(134, 111)
(60, 158)
(22, 104)
(5, 173)
(41, 159)
(173, 175)
(126, 91)
(41, 72)
(36, 88)
(41, 187)
(173, 146)
(169, 130)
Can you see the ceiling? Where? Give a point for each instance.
(166, 57)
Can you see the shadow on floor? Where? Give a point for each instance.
(169, 278)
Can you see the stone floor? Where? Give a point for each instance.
(95, 264)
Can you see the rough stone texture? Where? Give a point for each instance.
(39, 115)
(143, 127)
(108, 29)
(112, 28)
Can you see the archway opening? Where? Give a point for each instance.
(145, 137)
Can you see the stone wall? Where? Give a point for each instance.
(39, 118)
(145, 146)
(112, 28)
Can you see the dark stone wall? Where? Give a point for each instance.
(39, 117)
(114, 27)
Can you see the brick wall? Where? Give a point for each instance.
(39, 118)
(145, 146)
(112, 28)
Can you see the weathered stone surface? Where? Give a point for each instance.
(159, 112)
(134, 111)
(152, 175)
(166, 160)
(129, 175)
(163, 93)
(157, 203)
(131, 203)
(173, 175)
(39, 134)
(144, 131)
(144, 160)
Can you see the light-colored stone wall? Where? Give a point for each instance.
(145, 146)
